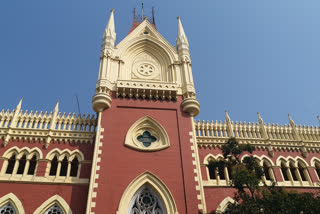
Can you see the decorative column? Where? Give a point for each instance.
(264, 134)
(297, 137)
(53, 124)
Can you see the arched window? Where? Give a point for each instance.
(32, 165)
(55, 209)
(229, 172)
(267, 169)
(293, 171)
(317, 165)
(221, 173)
(54, 166)
(74, 167)
(284, 171)
(146, 200)
(8, 209)
(22, 164)
(303, 171)
(212, 170)
(11, 163)
(64, 166)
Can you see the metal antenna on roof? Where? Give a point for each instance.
(78, 104)
(153, 16)
(142, 11)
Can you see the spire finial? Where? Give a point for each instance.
(182, 41)
(109, 35)
(19, 104)
(56, 108)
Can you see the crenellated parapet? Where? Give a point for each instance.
(48, 127)
(265, 136)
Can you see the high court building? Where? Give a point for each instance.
(143, 152)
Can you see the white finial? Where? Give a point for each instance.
(259, 118)
(291, 121)
(109, 35)
(318, 118)
(227, 116)
(19, 105)
(56, 108)
(182, 41)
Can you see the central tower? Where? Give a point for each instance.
(144, 158)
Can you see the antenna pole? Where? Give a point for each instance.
(78, 104)
(154, 22)
(142, 11)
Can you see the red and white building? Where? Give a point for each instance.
(142, 152)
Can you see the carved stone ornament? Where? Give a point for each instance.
(146, 67)
(146, 134)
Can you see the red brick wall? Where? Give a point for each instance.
(120, 165)
(32, 195)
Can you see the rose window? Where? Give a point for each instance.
(55, 209)
(146, 202)
(7, 209)
(146, 69)
(146, 138)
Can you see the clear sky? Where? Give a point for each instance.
(247, 55)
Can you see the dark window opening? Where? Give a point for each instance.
(64, 167)
(212, 171)
(230, 172)
(11, 163)
(74, 167)
(32, 166)
(293, 173)
(318, 170)
(54, 166)
(284, 172)
(266, 172)
(301, 170)
(22, 164)
(221, 172)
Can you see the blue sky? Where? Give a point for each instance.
(247, 55)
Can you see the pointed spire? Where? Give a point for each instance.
(230, 129)
(182, 41)
(260, 119)
(318, 118)
(109, 35)
(291, 121)
(227, 117)
(56, 108)
(18, 108)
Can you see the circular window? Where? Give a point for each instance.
(146, 69)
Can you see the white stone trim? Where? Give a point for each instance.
(147, 124)
(153, 181)
(224, 204)
(13, 199)
(95, 167)
(197, 170)
(50, 202)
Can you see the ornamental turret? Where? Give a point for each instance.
(102, 99)
(190, 104)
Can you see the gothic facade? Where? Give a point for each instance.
(142, 152)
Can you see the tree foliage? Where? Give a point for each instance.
(251, 196)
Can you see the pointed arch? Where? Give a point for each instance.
(209, 157)
(158, 186)
(150, 125)
(56, 199)
(224, 204)
(15, 202)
